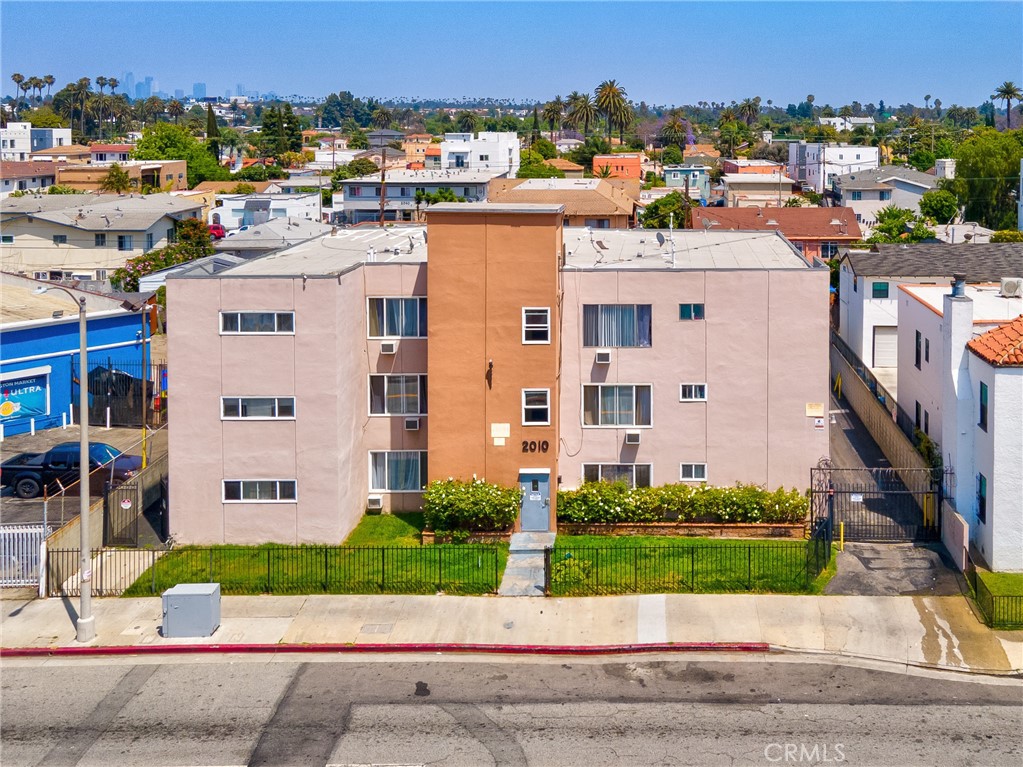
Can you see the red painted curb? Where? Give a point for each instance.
(486, 649)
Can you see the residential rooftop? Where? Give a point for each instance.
(1001, 346)
(878, 178)
(585, 249)
(412, 177)
(988, 306)
(980, 262)
(798, 223)
(99, 212)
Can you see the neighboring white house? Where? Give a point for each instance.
(19, 140)
(868, 191)
(235, 210)
(361, 196)
(962, 377)
(869, 281)
(567, 144)
(489, 152)
(921, 346)
(817, 165)
(752, 190)
(84, 236)
(28, 176)
(847, 123)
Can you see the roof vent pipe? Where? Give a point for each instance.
(958, 285)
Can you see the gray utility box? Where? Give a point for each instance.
(191, 610)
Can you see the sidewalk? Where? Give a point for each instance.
(934, 632)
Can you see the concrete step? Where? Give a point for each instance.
(533, 542)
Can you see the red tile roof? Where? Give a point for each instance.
(557, 162)
(794, 223)
(29, 168)
(1002, 345)
(433, 149)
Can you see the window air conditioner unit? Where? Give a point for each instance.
(411, 424)
(603, 357)
(632, 438)
(389, 347)
(375, 502)
(1012, 287)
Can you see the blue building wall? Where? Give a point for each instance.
(36, 364)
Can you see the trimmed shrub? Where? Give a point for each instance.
(610, 503)
(454, 505)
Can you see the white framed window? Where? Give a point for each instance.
(617, 405)
(260, 491)
(257, 323)
(616, 325)
(692, 472)
(397, 394)
(692, 392)
(396, 317)
(536, 325)
(101, 274)
(257, 408)
(397, 471)
(7, 239)
(536, 407)
(632, 474)
(100, 241)
(691, 312)
(125, 242)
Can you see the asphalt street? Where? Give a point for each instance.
(454, 711)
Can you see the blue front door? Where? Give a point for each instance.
(536, 501)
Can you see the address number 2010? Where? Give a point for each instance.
(532, 446)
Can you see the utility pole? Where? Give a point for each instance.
(383, 182)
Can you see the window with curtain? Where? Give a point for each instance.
(397, 318)
(397, 395)
(260, 490)
(632, 474)
(616, 325)
(617, 405)
(397, 471)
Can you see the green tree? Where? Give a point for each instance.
(1006, 235)
(1007, 92)
(62, 189)
(922, 160)
(939, 205)
(672, 155)
(539, 170)
(18, 79)
(166, 141)
(610, 99)
(382, 117)
(357, 139)
(175, 109)
(212, 133)
(544, 148)
(987, 175)
(193, 241)
(749, 110)
(671, 210)
(117, 180)
(896, 224)
(674, 132)
(467, 121)
(45, 117)
(553, 111)
(581, 112)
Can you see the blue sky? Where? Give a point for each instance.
(662, 52)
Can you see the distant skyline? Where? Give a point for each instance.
(661, 52)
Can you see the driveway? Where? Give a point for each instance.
(894, 569)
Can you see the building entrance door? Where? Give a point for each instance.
(536, 501)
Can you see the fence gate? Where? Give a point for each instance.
(125, 505)
(20, 551)
(879, 504)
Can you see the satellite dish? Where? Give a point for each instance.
(660, 239)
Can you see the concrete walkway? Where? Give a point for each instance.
(524, 573)
(935, 632)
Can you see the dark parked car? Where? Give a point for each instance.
(57, 469)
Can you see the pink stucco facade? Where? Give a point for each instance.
(761, 351)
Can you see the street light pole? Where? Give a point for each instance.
(86, 626)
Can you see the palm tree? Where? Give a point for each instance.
(937, 108)
(581, 112)
(1007, 92)
(382, 117)
(927, 102)
(101, 82)
(845, 111)
(113, 82)
(81, 91)
(673, 133)
(48, 80)
(467, 121)
(610, 100)
(176, 109)
(18, 79)
(37, 85)
(727, 115)
(749, 110)
(156, 107)
(25, 86)
(552, 112)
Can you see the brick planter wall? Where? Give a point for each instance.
(430, 537)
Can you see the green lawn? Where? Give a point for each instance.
(383, 554)
(585, 564)
(1002, 584)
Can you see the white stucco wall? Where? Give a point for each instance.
(921, 385)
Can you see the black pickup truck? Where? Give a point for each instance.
(57, 469)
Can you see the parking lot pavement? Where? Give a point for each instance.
(61, 509)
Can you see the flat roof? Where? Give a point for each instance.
(412, 177)
(988, 306)
(494, 207)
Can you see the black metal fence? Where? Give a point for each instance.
(123, 392)
(124, 506)
(728, 566)
(999, 611)
(456, 569)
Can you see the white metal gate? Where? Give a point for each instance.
(21, 554)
